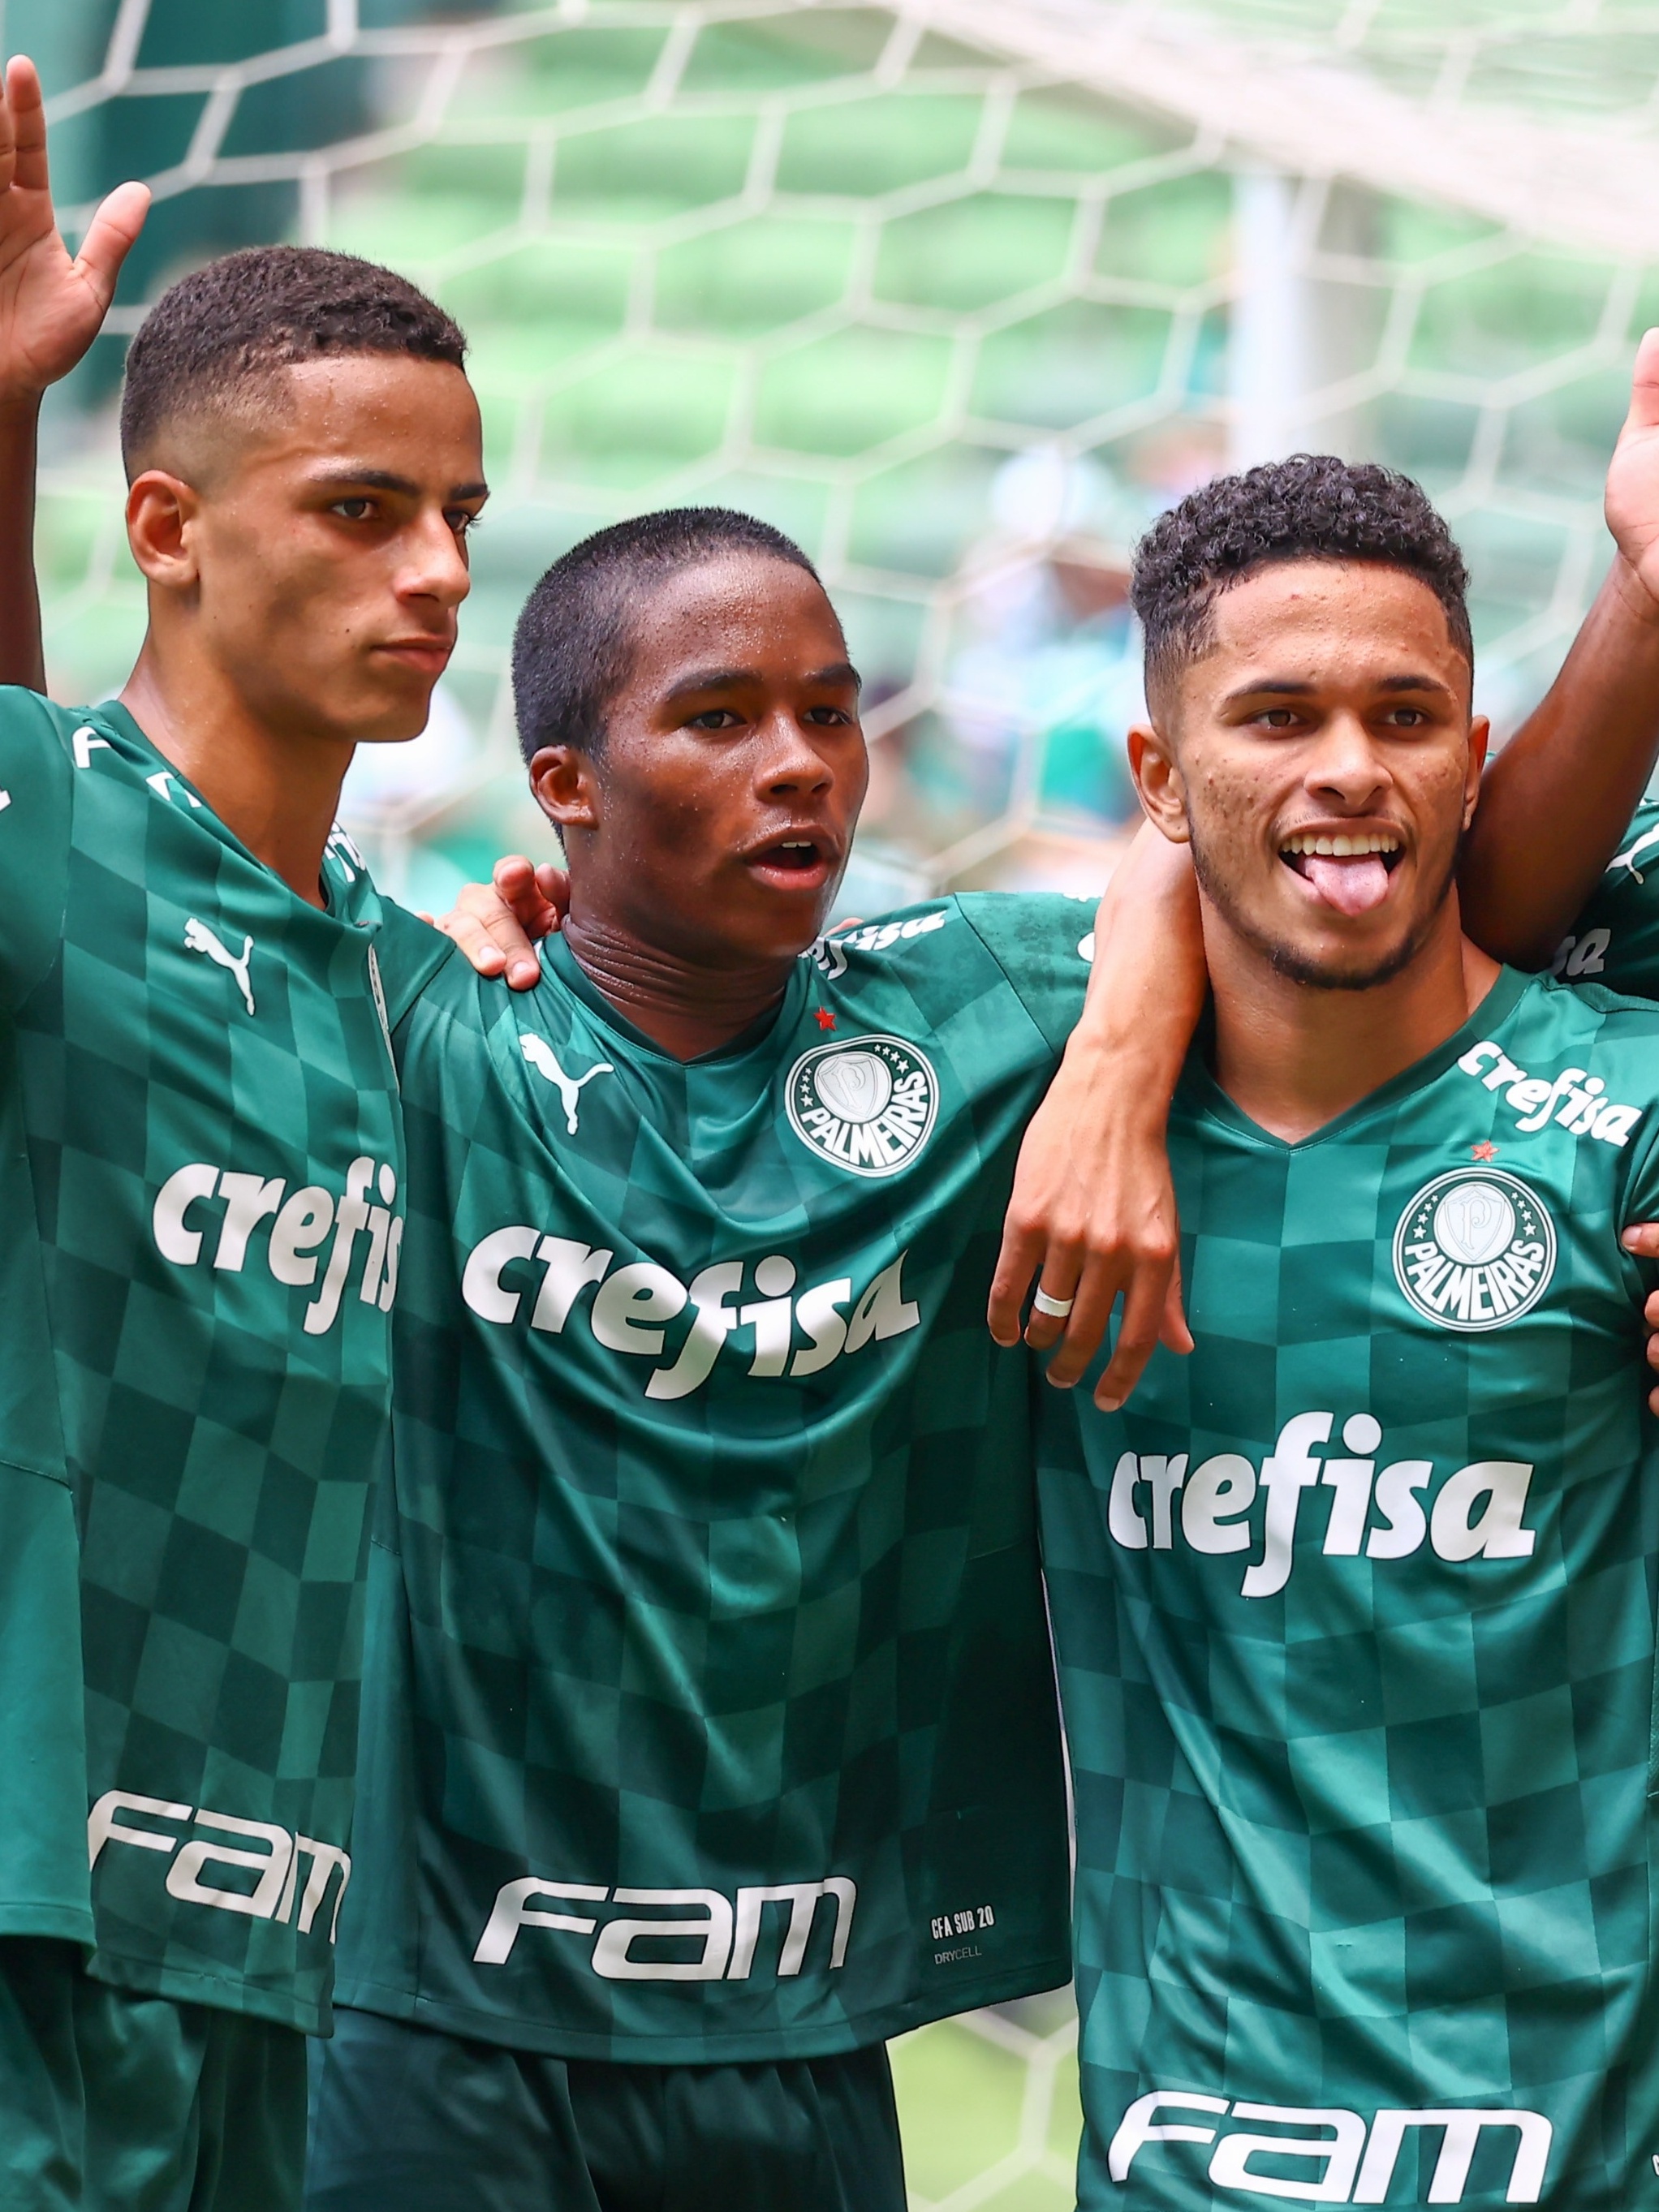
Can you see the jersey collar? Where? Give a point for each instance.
(353, 902)
(1200, 1091)
(564, 964)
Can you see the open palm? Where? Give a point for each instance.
(52, 307)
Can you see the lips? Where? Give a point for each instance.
(428, 654)
(796, 859)
(1346, 869)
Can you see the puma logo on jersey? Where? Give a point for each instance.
(1355, 2156)
(1477, 1512)
(198, 937)
(301, 1222)
(725, 1931)
(274, 1863)
(1647, 842)
(632, 1305)
(541, 1057)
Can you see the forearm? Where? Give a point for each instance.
(1557, 801)
(21, 659)
(1149, 980)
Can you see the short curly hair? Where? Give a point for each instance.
(227, 326)
(573, 650)
(1312, 506)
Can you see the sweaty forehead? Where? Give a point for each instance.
(729, 610)
(1332, 617)
(386, 411)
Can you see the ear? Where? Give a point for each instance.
(1158, 782)
(1480, 737)
(566, 788)
(162, 510)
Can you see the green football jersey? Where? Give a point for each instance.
(711, 1709)
(200, 1187)
(1354, 1611)
(1616, 941)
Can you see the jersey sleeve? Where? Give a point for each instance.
(37, 787)
(1043, 942)
(410, 953)
(1616, 941)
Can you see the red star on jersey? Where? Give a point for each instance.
(824, 1018)
(1487, 1152)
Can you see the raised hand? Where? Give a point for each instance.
(51, 308)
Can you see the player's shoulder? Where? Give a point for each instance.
(1558, 1046)
(1558, 1009)
(961, 930)
(410, 953)
(32, 726)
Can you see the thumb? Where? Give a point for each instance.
(109, 239)
(1644, 386)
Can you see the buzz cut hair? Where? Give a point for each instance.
(216, 336)
(573, 647)
(1310, 507)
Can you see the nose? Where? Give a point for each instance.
(791, 764)
(437, 566)
(1347, 768)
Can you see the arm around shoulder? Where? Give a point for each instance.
(1093, 1210)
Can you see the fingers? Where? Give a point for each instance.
(1643, 1240)
(488, 930)
(13, 92)
(554, 885)
(1098, 1283)
(474, 940)
(25, 126)
(1644, 384)
(1137, 1338)
(1022, 1252)
(1173, 1331)
(110, 237)
(516, 885)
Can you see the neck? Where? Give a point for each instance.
(1293, 1057)
(278, 791)
(686, 1009)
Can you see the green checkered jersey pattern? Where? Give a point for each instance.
(199, 1181)
(711, 1711)
(1354, 1610)
(1616, 941)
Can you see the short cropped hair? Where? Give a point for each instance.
(1312, 506)
(227, 326)
(573, 647)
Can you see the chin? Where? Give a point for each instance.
(1342, 967)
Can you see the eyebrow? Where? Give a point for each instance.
(1291, 688)
(730, 680)
(386, 480)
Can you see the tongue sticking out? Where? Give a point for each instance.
(1351, 886)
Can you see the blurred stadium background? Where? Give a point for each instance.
(960, 293)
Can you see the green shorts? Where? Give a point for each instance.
(115, 2101)
(409, 2119)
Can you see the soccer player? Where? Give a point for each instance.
(201, 1189)
(711, 1736)
(1355, 1609)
